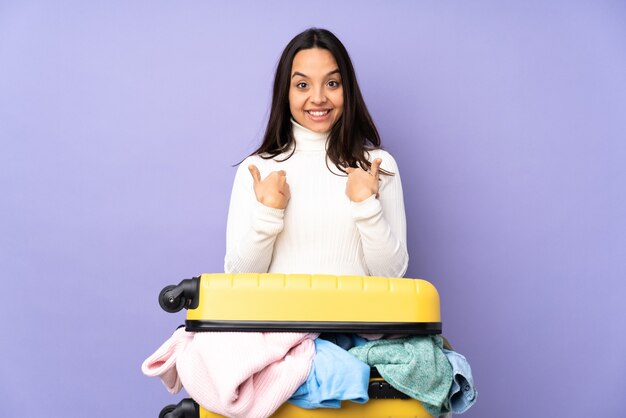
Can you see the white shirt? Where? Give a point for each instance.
(321, 231)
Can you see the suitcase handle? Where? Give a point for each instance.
(173, 298)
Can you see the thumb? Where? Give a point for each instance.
(376, 166)
(256, 175)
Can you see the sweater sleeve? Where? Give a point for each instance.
(382, 224)
(251, 228)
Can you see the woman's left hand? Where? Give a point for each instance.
(362, 184)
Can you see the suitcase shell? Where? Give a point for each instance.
(309, 303)
(321, 303)
(380, 408)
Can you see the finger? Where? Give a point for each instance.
(256, 175)
(376, 166)
(282, 173)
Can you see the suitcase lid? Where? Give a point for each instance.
(317, 303)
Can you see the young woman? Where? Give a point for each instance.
(319, 196)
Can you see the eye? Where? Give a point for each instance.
(301, 85)
(333, 84)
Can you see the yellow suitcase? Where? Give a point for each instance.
(380, 408)
(309, 303)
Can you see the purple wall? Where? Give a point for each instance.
(120, 121)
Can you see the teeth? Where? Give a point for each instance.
(318, 113)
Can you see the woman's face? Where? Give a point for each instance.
(315, 92)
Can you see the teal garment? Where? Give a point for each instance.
(416, 366)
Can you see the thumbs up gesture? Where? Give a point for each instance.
(362, 184)
(273, 190)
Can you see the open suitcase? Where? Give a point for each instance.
(309, 303)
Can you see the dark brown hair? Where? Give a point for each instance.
(351, 136)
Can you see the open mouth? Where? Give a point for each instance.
(318, 113)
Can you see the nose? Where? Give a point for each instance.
(318, 96)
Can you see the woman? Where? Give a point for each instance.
(319, 196)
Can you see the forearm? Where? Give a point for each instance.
(251, 228)
(385, 253)
(251, 250)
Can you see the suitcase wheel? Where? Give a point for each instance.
(170, 302)
(186, 408)
(166, 411)
(185, 294)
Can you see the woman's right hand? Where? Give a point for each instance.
(273, 190)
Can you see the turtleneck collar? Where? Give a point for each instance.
(307, 140)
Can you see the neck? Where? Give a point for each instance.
(308, 140)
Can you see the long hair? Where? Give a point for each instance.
(350, 137)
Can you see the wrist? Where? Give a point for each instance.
(272, 203)
(360, 197)
(365, 210)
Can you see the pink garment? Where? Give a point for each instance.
(235, 374)
(245, 374)
(162, 363)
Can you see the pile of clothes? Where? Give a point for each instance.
(251, 374)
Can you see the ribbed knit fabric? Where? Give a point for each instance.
(234, 374)
(320, 231)
(245, 375)
(163, 362)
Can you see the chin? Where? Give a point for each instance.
(319, 129)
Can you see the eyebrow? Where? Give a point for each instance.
(336, 70)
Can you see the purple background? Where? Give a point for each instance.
(120, 122)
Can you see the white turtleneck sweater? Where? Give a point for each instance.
(321, 231)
